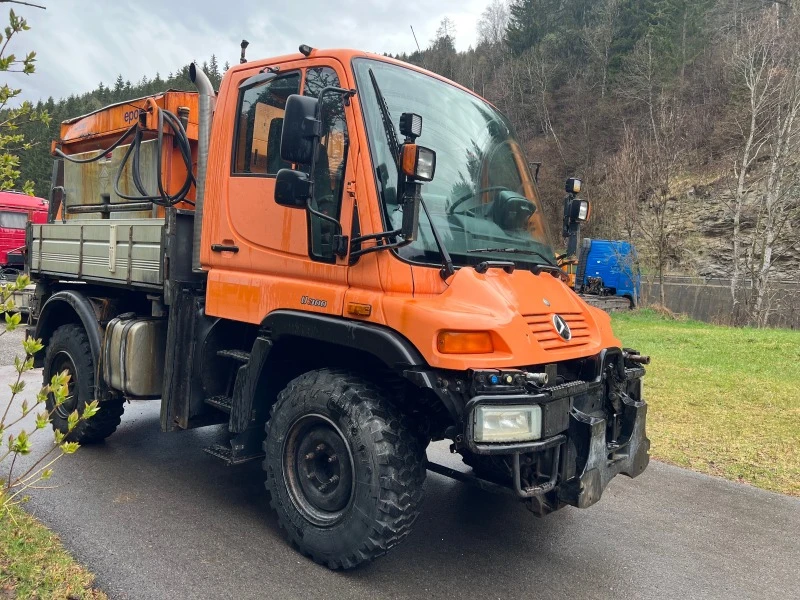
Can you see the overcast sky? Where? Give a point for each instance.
(80, 43)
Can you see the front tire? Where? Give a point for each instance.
(345, 470)
(69, 350)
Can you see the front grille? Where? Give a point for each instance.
(543, 330)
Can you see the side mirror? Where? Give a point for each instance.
(300, 129)
(292, 188)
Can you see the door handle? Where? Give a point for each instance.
(224, 248)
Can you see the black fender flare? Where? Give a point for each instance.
(53, 316)
(388, 346)
(385, 344)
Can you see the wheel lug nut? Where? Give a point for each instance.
(333, 459)
(310, 456)
(334, 479)
(320, 447)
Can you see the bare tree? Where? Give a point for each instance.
(764, 65)
(640, 83)
(600, 36)
(538, 72)
(663, 225)
(493, 22)
(625, 184)
(753, 67)
(781, 190)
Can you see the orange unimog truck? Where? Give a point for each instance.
(285, 258)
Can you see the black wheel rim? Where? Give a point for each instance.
(318, 470)
(63, 362)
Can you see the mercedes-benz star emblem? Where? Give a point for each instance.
(562, 328)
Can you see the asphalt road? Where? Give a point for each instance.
(154, 517)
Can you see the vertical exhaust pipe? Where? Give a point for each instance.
(207, 100)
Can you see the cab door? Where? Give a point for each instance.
(264, 256)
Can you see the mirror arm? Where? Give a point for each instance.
(447, 262)
(344, 93)
(340, 243)
(375, 236)
(355, 254)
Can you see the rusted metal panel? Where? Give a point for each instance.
(93, 183)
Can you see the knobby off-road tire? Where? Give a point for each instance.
(69, 350)
(345, 470)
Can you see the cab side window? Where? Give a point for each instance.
(331, 160)
(260, 121)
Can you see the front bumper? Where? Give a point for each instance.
(629, 455)
(582, 450)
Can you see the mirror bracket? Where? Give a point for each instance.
(341, 244)
(311, 127)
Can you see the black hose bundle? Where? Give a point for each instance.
(162, 198)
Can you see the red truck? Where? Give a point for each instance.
(16, 209)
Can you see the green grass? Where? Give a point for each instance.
(33, 563)
(722, 400)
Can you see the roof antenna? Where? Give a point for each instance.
(242, 59)
(415, 38)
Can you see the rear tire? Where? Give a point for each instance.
(69, 350)
(345, 470)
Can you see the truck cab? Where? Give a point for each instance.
(16, 210)
(346, 259)
(609, 268)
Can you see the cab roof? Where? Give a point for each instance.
(12, 198)
(343, 55)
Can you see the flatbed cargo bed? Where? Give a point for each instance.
(144, 253)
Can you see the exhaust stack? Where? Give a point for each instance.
(207, 100)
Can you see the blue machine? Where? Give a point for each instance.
(608, 268)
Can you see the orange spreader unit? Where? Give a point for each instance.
(100, 129)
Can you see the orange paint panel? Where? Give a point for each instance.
(249, 297)
(90, 131)
(256, 218)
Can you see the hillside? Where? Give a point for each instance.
(677, 114)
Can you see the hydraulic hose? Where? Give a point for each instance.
(162, 198)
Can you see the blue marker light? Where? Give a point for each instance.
(494, 379)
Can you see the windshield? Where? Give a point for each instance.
(482, 198)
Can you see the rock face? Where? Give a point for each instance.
(708, 247)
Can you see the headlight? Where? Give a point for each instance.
(508, 423)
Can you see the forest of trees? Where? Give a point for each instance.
(650, 102)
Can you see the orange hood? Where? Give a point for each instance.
(517, 309)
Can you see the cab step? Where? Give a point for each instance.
(238, 355)
(240, 448)
(229, 457)
(222, 403)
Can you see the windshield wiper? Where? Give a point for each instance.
(394, 148)
(386, 118)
